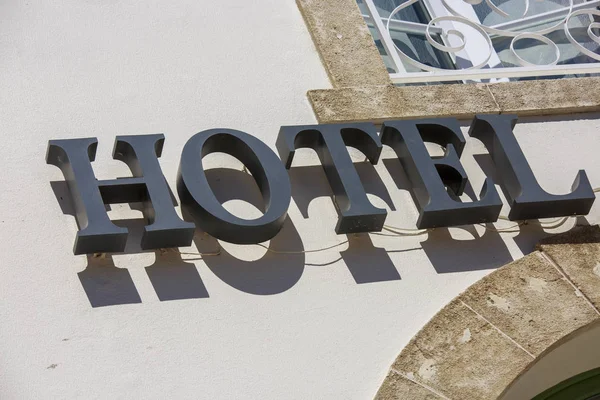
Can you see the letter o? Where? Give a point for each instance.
(267, 169)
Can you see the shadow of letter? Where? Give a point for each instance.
(274, 272)
(175, 279)
(106, 285)
(367, 263)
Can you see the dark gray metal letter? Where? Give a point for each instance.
(196, 194)
(527, 199)
(429, 177)
(97, 233)
(357, 214)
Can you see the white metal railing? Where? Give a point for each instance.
(469, 42)
(406, 26)
(491, 73)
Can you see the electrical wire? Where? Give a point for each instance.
(396, 231)
(302, 251)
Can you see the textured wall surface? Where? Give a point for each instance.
(248, 323)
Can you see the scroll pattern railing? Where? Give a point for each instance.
(453, 24)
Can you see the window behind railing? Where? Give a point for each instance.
(425, 41)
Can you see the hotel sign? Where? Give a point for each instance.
(436, 182)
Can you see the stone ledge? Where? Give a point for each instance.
(397, 387)
(531, 302)
(577, 253)
(461, 356)
(344, 42)
(548, 96)
(463, 101)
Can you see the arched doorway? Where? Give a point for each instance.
(503, 327)
(568, 371)
(585, 386)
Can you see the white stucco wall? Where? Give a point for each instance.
(324, 325)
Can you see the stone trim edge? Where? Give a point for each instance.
(344, 43)
(483, 340)
(463, 101)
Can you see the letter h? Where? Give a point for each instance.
(97, 233)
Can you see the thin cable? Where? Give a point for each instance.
(405, 231)
(506, 229)
(396, 231)
(400, 232)
(301, 251)
(556, 223)
(386, 234)
(217, 253)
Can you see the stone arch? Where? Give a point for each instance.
(489, 335)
